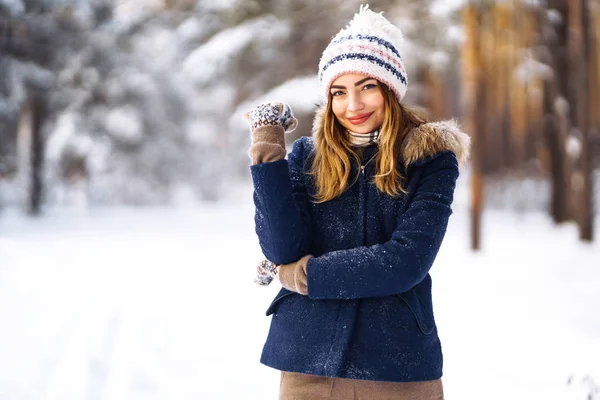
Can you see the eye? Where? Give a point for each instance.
(337, 93)
(369, 86)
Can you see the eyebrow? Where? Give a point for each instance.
(355, 84)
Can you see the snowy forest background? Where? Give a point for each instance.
(141, 100)
(121, 130)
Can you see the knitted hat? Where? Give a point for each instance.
(369, 46)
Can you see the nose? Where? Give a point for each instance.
(354, 102)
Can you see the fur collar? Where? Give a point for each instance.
(425, 141)
(435, 137)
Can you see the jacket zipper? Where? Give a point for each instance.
(362, 167)
(363, 189)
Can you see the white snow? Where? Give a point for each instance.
(202, 131)
(441, 8)
(218, 5)
(159, 44)
(301, 93)
(561, 106)
(159, 303)
(573, 144)
(129, 12)
(15, 7)
(64, 131)
(125, 124)
(534, 3)
(530, 68)
(554, 16)
(456, 34)
(439, 59)
(209, 61)
(191, 28)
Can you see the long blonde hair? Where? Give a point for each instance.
(331, 163)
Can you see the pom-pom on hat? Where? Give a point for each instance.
(369, 46)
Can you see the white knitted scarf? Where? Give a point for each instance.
(363, 139)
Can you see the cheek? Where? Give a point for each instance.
(380, 114)
(379, 102)
(380, 105)
(338, 109)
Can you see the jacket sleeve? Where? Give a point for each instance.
(282, 215)
(403, 261)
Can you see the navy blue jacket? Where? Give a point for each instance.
(368, 313)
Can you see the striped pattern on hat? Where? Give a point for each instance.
(369, 46)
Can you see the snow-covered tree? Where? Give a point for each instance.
(145, 101)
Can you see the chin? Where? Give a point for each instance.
(362, 129)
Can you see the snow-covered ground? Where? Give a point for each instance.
(109, 304)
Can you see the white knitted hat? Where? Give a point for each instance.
(369, 46)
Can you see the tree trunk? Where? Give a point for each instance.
(586, 223)
(39, 112)
(579, 43)
(555, 121)
(474, 101)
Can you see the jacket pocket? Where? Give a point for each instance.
(422, 315)
(283, 293)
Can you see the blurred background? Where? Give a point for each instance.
(124, 187)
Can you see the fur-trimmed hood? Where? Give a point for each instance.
(424, 141)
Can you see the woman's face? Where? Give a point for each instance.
(357, 102)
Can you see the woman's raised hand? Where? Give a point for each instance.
(268, 142)
(273, 113)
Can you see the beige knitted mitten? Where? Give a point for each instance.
(268, 124)
(293, 276)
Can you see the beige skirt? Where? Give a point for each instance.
(295, 386)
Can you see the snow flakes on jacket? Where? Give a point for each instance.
(368, 313)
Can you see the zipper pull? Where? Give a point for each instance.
(362, 169)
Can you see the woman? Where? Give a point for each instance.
(352, 222)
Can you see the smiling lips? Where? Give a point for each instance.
(359, 119)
